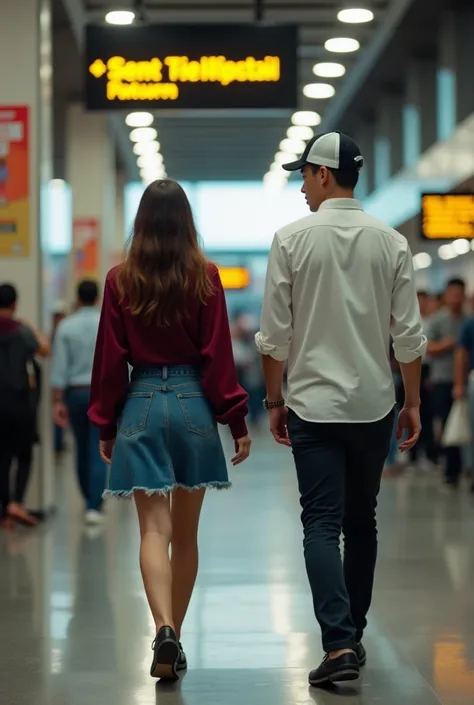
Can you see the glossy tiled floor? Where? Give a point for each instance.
(75, 628)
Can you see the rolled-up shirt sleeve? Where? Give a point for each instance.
(276, 327)
(409, 341)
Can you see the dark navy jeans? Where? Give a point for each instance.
(91, 471)
(339, 468)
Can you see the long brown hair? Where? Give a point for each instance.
(164, 265)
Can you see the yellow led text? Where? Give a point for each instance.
(158, 80)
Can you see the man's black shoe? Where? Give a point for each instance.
(333, 670)
(182, 663)
(166, 654)
(361, 654)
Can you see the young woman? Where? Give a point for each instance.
(164, 313)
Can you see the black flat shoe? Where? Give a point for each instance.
(166, 654)
(333, 670)
(361, 654)
(182, 662)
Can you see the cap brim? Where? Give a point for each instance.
(294, 166)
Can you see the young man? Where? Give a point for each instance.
(443, 332)
(73, 355)
(464, 377)
(339, 283)
(19, 343)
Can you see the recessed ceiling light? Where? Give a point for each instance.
(461, 247)
(276, 168)
(306, 117)
(300, 132)
(293, 146)
(422, 260)
(355, 15)
(328, 69)
(139, 119)
(447, 252)
(274, 181)
(146, 147)
(285, 157)
(342, 45)
(143, 134)
(319, 90)
(120, 17)
(149, 160)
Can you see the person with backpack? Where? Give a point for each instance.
(19, 344)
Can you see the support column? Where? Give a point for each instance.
(388, 138)
(446, 79)
(26, 165)
(364, 136)
(419, 111)
(90, 169)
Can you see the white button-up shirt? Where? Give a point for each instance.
(339, 284)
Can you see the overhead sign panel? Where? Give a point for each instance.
(203, 67)
(447, 216)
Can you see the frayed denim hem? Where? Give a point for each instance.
(128, 494)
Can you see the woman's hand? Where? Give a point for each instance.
(106, 449)
(242, 448)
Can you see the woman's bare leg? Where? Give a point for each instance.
(185, 513)
(155, 530)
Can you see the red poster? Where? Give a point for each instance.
(14, 182)
(86, 248)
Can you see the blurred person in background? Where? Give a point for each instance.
(427, 441)
(248, 362)
(435, 303)
(73, 355)
(165, 313)
(19, 397)
(59, 314)
(464, 379)
(443, 330)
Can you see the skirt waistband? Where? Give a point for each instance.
(165, 371)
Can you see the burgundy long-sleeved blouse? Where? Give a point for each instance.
(202, 339)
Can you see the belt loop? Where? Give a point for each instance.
(164, 372)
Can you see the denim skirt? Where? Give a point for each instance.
(167, 436)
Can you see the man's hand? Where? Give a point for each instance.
(279, 425)
(409, 421)
(106, 450)
(459, 391)
(60, 414)
(242, 448)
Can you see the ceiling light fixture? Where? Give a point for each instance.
(447, 252)
(355, 15)
(143, 134)
(306, 117)
(276, 168)
(293, 146)
(461, 247)
(146, 147)
(422, 260)
(300, 132)
(121, 17)
(139, 119)
(319, 90)
(285, 157)
(329, 69)
(341, 45)
(151, 160)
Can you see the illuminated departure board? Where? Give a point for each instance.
(447, 216)
(194, 67)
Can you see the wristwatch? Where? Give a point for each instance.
(269, 405)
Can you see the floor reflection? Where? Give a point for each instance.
(77, 631)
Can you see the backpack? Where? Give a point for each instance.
(17, 376)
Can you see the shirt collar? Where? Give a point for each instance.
(341, 203)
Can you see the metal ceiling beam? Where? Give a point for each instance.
(364, 66)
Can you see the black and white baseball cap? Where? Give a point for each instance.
(331, 149)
